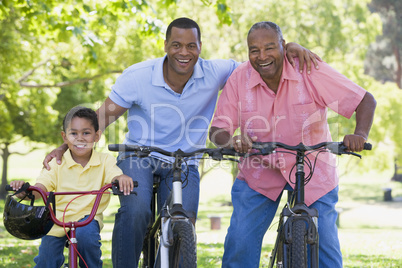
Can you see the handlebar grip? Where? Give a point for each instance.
(367, 146)
(9, 188)
(116, 190)
(24, 188)
(115, 147)
(126, 148)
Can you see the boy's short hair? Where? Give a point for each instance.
(81, 112)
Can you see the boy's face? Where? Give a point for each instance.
(80, 137)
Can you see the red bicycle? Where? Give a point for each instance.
(38, 220)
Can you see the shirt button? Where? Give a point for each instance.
(284, 171)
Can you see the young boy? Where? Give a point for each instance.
(82, 169)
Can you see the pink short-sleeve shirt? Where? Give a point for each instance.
(296, 113)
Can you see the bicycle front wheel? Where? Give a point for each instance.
(183, 252)
(298, 248)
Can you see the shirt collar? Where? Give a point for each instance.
(94, 161)
(288, 73)
(157, 73)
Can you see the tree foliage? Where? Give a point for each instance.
(57, 54)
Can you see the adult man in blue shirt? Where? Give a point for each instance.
(170, 103)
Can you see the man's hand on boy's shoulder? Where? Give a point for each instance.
(126, 184)
(56, 153)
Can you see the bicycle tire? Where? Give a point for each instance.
(298, 248)
(147, 258)
(183, 252)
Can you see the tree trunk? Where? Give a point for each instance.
(5, 155)
(398, 66)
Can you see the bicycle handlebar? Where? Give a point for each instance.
(264, 148)
(144, 151)
(114, 186)
(338, 148)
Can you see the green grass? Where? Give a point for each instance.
(370, 229)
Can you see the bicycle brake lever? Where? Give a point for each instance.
(355, 154)
(340, 148)
(142, 154)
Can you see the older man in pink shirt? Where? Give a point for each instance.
(270, 101)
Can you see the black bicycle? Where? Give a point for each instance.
(298, 223)
(171, 237)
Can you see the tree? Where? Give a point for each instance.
(57, 54)
(384, 59)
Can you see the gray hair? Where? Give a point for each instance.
(266, 25)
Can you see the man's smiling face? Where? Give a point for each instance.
(183, 49)
(266, 53)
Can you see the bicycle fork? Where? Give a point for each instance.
(309, 217)
(172, 212)
(289, 216)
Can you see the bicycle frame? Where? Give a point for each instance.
(296, 214)
(162, 225)
(296, 209)
(171, 211)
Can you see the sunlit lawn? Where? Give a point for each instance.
(370, 229)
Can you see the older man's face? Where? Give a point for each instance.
(266, 52)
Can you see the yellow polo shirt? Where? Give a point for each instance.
(71, 176)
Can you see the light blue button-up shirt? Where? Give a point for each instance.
(158, 116)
